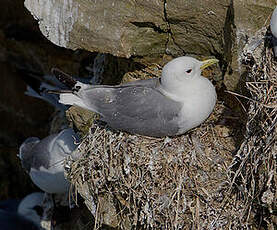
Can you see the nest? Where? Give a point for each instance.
(194, 181)
(253, 171)
(151, 182)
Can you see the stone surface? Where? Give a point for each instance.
(151, 28)
(197, 27)
(122, 28)
(249, 17)
(134, 28)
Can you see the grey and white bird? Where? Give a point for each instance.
(44, 159)
(273, 28)
(178, 101)
(31, 207)
(24, 214)
(38, 84)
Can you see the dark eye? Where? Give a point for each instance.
(188, 71)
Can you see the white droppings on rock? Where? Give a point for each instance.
(56, 20)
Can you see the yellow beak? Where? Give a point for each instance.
(207, 63)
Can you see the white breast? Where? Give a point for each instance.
(49, 181)
(273, 22)
(198, 104)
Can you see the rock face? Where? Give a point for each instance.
(152, 28)
(107, 26)
(134, 28)
(146, 29)
(248, 17)
(197, 27)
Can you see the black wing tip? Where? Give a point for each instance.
(64, 77)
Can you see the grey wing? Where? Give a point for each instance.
(51, 151)
(138, 109)
(26, 152)
(98, 98)
(65, 143)
(152, 82)
(41, 153)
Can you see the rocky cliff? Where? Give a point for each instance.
(116, 41)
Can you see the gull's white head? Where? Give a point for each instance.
(183, 70)
(273, 22)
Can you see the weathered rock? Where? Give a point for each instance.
(248, 17)
(15, 183)
(140, 28)
(197, 27)
(152, 28)
(145, 30)
(122, 28)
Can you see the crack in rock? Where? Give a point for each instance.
(149, 25)
(169, 32)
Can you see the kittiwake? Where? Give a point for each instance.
(39, 84)
(44, 159)
(273, 27)
(31, 207)
(178, 101)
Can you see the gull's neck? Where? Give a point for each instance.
(180, 91)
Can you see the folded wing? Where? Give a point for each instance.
(136, 108)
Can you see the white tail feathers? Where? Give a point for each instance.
(78, 98)
(82, 85)
(71, 99)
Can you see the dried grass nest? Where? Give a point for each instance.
(206, 179)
